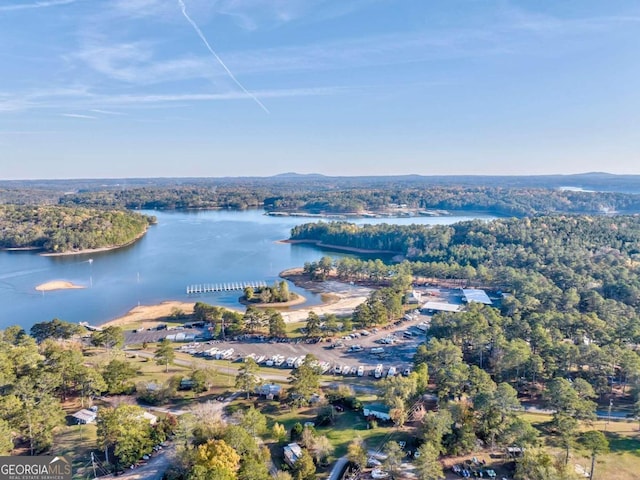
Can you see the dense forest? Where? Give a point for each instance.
(63, 229)
(564, 334)
(316, 194)
(580, 272)
(502, 201)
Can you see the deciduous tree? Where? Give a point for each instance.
(357, 452)
(125, 432)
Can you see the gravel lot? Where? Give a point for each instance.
(399, 355)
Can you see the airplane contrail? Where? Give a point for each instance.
(204, 40)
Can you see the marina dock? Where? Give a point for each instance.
(223, 287)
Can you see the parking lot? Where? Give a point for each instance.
(391, 346)
(344, 351)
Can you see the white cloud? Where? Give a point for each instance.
(141, 8)
(247, 14)
(30, 6)
(519, 19)
(96, 103)
(205, 97)
(78, 115)
(106, 112)
(135, 62)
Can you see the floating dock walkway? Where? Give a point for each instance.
(222, 287)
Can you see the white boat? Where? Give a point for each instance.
(360, 372)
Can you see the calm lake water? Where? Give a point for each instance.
(183, 248)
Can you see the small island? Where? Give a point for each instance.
(277, 295)
(57, 285)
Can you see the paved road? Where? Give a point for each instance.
(338, 468)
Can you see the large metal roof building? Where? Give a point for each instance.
(475, 295)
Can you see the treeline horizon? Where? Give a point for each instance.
(317, 194)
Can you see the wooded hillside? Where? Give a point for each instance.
(64, 229)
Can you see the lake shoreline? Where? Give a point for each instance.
(87, 251)
(338, 298)
(213, 247)
(318, 243)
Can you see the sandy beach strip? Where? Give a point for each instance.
(346, 299)
(57, 285)
(147, 316)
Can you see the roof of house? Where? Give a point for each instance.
(475, 295)
(84, 415)
(151, 417)
(269, 389)
(377, 407)
(292, 453)
(442, 307)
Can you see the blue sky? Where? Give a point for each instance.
(128, 88)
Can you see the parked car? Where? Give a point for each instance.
(377, 473)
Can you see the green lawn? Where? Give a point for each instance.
(348, 425)
(77, 442)
(623, 460)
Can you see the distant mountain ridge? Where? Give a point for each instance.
(598, 181)
(298, 175)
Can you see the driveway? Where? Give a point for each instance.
(154, 469)
(338, 468)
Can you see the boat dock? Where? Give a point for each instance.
(223, 287)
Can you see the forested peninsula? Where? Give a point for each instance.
(584, 269)
(59, 229)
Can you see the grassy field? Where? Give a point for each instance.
(623, 460)
(76, 441)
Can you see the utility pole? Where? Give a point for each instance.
(93, 465)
